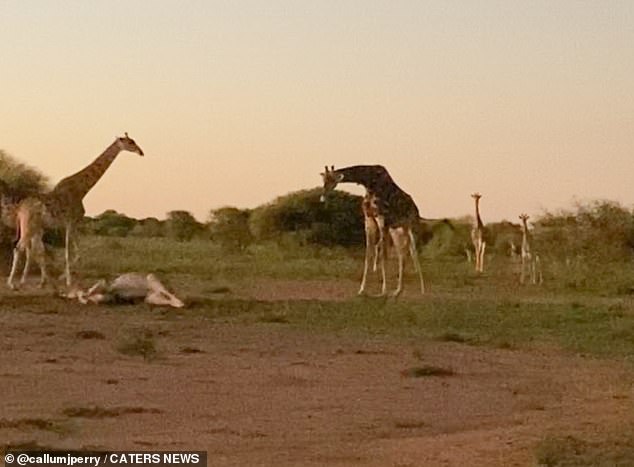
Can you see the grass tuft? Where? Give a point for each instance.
(427, 370)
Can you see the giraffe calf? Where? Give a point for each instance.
(30, 230)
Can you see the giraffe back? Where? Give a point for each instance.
(395, 205)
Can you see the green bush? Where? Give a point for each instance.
(17, 181)
(229, 226)
(599, 230)
(337, 221)
(182, 225)
(110, 224)
(148, 227)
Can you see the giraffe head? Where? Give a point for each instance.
(524, 218)
(476, 196)
(330, 181)
(126, 143)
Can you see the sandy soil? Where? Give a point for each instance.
(269, 395)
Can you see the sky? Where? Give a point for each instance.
(530, 103)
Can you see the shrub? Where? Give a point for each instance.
(110, 223)
(17, 181)
(598, 230)
(182, 225)
(229, 226)
(148, 227)
(337, 221)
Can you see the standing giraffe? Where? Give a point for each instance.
(386, 208)
(478, 235)
(30, 230)
(530, 260)
(374, 240)
(64, 204)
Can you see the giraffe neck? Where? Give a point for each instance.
(524, 235)
(479, 223)
(81, 182)
(374, 178)
(388, 199)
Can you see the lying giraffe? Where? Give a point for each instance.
(387, 210)
(128, 288)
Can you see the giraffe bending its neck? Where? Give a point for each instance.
(387, 209)
(64, 204)
(478, 235)
(530, 260)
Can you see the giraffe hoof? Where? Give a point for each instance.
(396, 293)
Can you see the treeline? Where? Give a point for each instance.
(596, 231)
(300, 217)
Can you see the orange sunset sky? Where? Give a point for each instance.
(237, 102)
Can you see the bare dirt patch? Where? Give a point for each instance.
(266, 394)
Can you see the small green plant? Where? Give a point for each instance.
(570, 451)
(427, 370)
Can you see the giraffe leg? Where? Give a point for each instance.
(40, 257)
(17, 251)
(370, 231)
(382, 242)
(67, 255)
(76, 254)
(523, 267)
(414, 254)
(377, 252)
(400, 240)
(482, 249)
(27, 263)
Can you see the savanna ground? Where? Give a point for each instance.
(276, 361)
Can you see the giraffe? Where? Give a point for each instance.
(10, 199)
(387, 210)
(530, 260)
(374, 240)
(478, 235)
(64, 204)
(30, 229)
(130, 287)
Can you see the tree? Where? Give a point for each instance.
(338, 221)
(229, 226)
(111, 223)
(148, 227)
(182, 225)
(17, 181)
